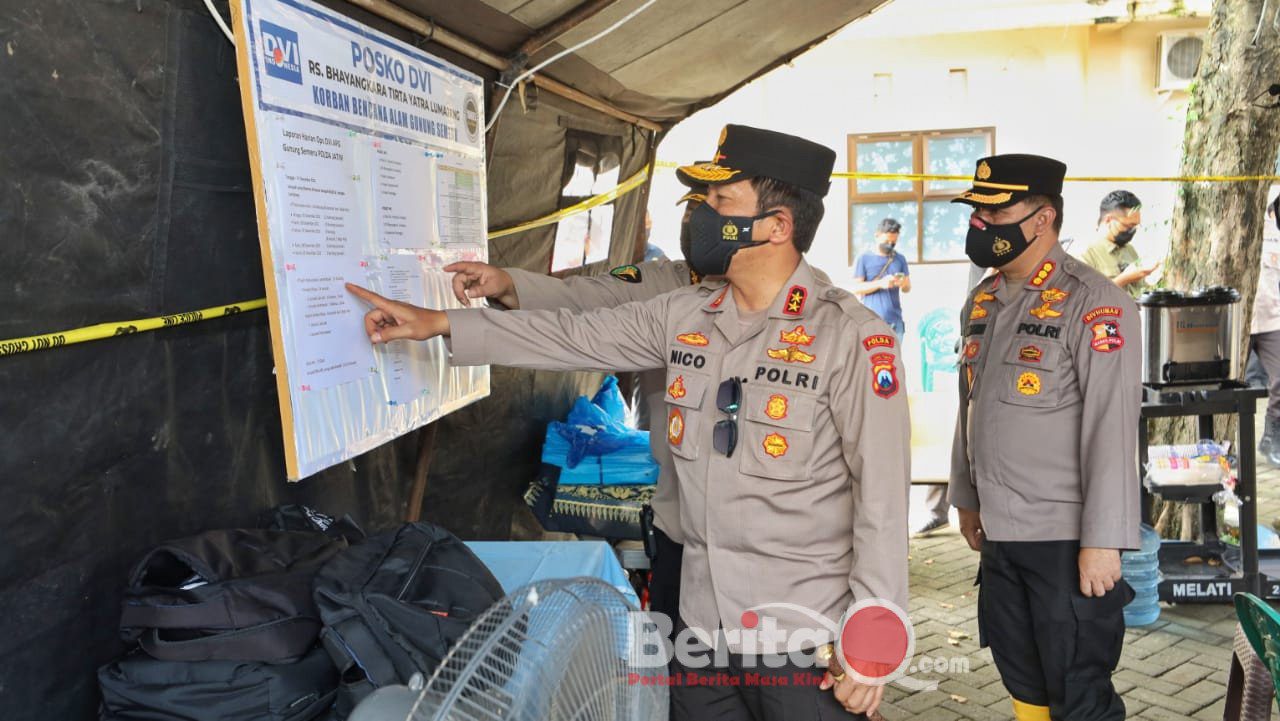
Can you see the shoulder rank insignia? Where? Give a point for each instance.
(629, 273)
(1042, 276)
(796, 298)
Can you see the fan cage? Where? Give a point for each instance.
(563, 650)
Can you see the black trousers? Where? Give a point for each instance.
(745, 689)
(1053, 645)
(664, 580)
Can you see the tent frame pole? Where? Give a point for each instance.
(557, 28)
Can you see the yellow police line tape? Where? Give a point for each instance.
(127, 327)
(667, 164)
(1074, 179)
(108, 330)
(608, 196)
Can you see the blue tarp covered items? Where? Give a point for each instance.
(595, 447)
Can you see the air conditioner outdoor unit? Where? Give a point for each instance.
(1178, 59)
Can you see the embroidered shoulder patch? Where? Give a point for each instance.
(629, 273)
(884, 374)
(1106, 336)
(878, 341)
(1100, 312)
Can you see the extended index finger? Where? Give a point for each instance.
(371, 298)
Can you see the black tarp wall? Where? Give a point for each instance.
(125, 193)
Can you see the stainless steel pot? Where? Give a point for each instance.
(1192, 338)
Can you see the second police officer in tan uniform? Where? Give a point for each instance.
(1044, 467)
(785, 416)
(518, 289)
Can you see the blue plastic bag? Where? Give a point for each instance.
(591, 431)
(609, 398)
(595, 432)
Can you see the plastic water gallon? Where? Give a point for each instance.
(1141, 569)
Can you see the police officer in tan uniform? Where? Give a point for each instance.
(1043, 466)
(785, 416)
(518, 289)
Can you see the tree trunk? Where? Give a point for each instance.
(1217, 227)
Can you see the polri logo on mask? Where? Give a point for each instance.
(715, 238)
(989, 245)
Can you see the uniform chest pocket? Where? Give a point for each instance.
(687, 409)
(1032, 373)
(775, 433)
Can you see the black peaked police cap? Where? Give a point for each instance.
(1002, 180)
(697, 189)
(746, 152)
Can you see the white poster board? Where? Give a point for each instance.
(368, 166)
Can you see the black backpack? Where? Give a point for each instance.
(228, 595)
(141, 688)
(394, 604)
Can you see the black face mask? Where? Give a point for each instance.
(1122, 238)
(886, 248)
(714, 238)
(989, 246)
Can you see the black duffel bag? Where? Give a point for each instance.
(394, 604)
(141, 688)
(228, 595)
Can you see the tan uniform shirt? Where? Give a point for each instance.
(1111, 260)
(1050, 396)
(580, 293)
(811, 509)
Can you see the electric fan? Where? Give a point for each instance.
(558, 650)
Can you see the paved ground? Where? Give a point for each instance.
(1173, 669)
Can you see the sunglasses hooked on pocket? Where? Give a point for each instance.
(728, 400)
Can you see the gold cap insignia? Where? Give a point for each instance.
(984, 170)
